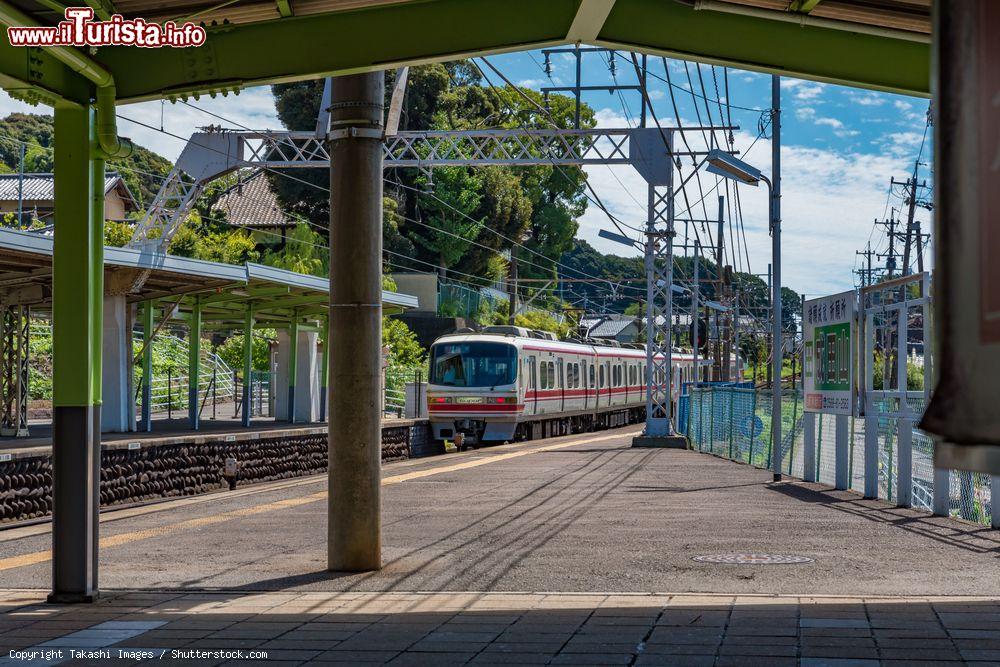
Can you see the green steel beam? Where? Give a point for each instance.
(803, 6)
(252, 293)
(284, 9)
(247, 365)
(148, 313)
(37, 77)
(307, 47)
(77, 276)
(194, 362)
(103, 9)
(774, 47)
(97, 248)
(383, 36)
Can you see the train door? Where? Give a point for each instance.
(561, 379)
(611, 380)
(591, 382)
(532, 386)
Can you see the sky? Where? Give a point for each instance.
(840, 147)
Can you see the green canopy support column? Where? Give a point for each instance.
(247, 366)
(293, 364)
(77, 310)
(324, 370)
(194, 364)
(148, 309)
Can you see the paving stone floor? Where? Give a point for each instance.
(501, 628)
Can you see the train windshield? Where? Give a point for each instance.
(474, 364)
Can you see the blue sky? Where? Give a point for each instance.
(840, 147)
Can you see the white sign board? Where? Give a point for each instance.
(829, 337)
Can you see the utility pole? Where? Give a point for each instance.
(20, 189)
(890, 254)
(770, 346)
(694, 314)
(719, 254)
(578, 89)
(866, 274)
(776, 311)
(920, 248)
(911, 201)
(512, 286)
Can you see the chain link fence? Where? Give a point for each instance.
(735, 423)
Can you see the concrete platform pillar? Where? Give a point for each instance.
(809, 447)
(842, 456)
(301, 390)
(942, 492)
(118, 409)
(904, 464)
(355, 147)
(871, 456)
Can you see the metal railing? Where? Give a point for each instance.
(734, 423)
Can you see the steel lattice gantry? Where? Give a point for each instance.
(14, 323)
(209, 155)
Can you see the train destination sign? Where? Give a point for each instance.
(829, 336)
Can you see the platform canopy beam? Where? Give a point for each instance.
(382, 36)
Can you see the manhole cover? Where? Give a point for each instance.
(752, 559)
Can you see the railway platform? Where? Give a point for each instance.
(571, 550)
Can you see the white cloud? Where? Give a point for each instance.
(829, 199)
(808, 92)
(867, 99)
(805, 113)
(902, 106)
(832, 122)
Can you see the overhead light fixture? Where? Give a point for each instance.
(729, 166)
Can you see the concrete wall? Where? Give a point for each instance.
(171, 467)
(424, 286)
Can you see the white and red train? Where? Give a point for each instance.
(508, 383)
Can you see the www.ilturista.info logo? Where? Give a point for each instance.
(80, 29)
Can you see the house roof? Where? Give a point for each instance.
(608, 326)
(252, 203)
(41, 187)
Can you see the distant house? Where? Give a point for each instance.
(37, 196)
(622, 328)
(252, 204)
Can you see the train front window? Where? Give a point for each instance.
(473, 364)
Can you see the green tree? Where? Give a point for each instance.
(535, 206)
(231, 350)
(143, 171)
(543, 322)
(404, 350)
(305, 252)
(198, 241)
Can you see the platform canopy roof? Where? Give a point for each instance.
(226, 291)
(878, 44)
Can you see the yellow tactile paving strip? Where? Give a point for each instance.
(37, 557)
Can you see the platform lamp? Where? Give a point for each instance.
(728, 166)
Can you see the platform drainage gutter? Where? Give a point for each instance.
(752, 559)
